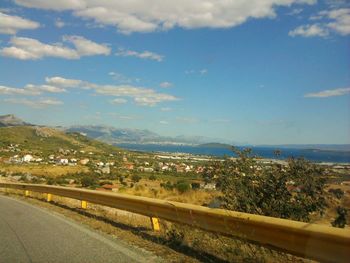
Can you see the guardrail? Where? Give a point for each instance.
(323, 243)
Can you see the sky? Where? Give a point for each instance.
(257, 72)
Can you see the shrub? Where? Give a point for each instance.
(338, 193)
(152, 177)
(195, 186)
(340, 221)
(183, 187)
(88, 181)
(135, 178)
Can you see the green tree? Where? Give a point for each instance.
(135, 178)
(183, 186)
(292, 191)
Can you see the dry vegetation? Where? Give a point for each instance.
(42, 170)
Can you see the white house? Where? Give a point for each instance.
(63, 161)
(27, 158)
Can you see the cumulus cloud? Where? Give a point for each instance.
(309, 31)
(141, 96)
(87, 47)
(143, 55)
(31, 90)
(28, 48)
(40, 103)
(149, 16)
(328, 93)
(165, 84)
(4, 90)
(336, 21)
(11, 24)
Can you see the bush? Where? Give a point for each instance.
(135, 178)
(183, 187)
(167, 186)
(338, 193)
(340, 221)
(195, 186)
(152, 177)
(88, 181)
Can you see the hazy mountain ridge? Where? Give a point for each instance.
(11, 120)
(118, 135)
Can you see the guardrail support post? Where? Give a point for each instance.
(83, 204)
(155, 224)
(26, 193)
(49, 197)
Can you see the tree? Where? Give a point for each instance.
(292, 191)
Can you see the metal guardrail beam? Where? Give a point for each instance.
(323, 243)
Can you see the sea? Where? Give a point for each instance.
(264, 152)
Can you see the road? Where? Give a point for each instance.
(32, 234)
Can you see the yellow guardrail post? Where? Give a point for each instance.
(26, 193)
(48, 197)
(155, 223)
(83, 204)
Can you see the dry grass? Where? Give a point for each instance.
(46, 170)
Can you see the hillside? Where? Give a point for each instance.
(48, 140)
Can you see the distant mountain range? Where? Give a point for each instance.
(116, 136)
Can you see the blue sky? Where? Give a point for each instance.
(258, 72)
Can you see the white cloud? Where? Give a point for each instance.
(87, 47)
(59, 23)
(118, 101)
(141, 96)
(328, 93)
(120, 77)
(11, 24)
(143, 55)
(341, 20)
(165, 84)
(336, 21)
(44, 88)
(193, 71)
(30, 90)
(295, 11)
(4, 90)
(164, 122)
(62, 82)
(53, 5)
(309, 31)
(203, 71)
(41, 103)
(28, 48)
(149, 16)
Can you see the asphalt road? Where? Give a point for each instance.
(31, 234)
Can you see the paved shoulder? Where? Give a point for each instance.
(31, 234)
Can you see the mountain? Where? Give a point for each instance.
(48, 140)
(135, 136)
(11, 120)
